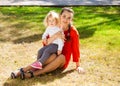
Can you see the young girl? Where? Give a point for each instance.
(51, 21)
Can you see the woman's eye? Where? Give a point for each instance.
(69, 18)
(64, 16)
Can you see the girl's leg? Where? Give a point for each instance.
(43, 54)
(50, 49)
(40, 52)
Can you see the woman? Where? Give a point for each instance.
(71, 46)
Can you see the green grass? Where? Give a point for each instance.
(99, 28)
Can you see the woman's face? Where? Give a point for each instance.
(66, 18)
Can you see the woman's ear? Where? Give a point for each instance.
(71, 23)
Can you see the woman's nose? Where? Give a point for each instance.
(65, 19)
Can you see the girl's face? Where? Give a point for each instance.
(51, 21)
(66, 18)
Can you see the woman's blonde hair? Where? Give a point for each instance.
(51, 14)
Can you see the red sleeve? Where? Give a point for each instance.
(75, 45)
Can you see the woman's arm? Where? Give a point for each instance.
(55, 36)
(76, 51)
(77, 64)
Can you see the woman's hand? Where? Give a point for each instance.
(55, 36)
(80, 70)
(60, 35)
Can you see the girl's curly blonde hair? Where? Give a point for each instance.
(51, 14)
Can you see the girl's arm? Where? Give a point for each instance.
(44, 36)
(44, 41)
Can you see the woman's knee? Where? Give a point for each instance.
(53, 56)
(50, 59)
(62, 58)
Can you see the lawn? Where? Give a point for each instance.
(99, 28)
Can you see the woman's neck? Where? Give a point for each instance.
(65, 28)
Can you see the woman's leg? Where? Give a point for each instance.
(28, 68)
(50, 59)
(18, 72)
(56, 63)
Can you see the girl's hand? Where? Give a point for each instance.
(45, 41)
(80, 70)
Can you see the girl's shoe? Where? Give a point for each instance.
(36, 65)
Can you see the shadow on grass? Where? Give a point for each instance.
(86, 32)
(28, 39)
(37, 14)
(89, 30)
(43, 79)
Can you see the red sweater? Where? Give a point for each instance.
(71, 47)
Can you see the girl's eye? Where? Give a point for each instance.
(50, 20)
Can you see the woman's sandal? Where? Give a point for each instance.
(13, 76)
(31, 74)
(22, 75)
